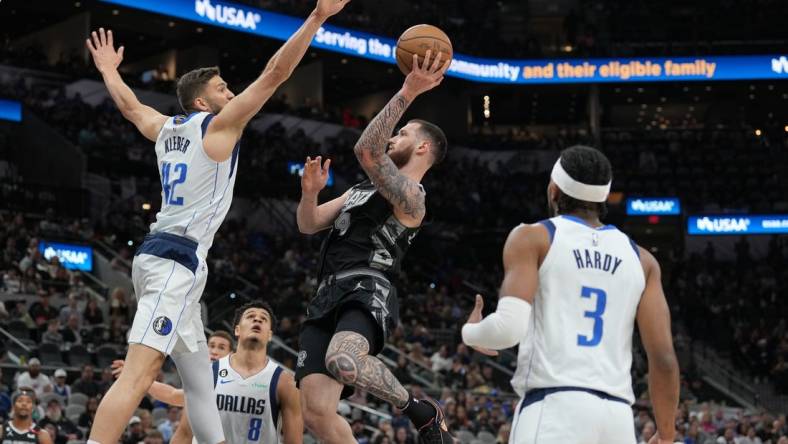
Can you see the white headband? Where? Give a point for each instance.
(580, 191)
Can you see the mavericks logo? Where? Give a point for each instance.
(227, 15)
(162, 325)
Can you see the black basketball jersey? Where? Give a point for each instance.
(366, 234)
(12, 436)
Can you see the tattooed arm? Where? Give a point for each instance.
(405, 194)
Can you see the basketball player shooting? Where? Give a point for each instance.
(572, 291)
(373, 224)
(196, 155)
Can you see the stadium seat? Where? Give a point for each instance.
(465, 437)
(78, 356)
(18, 329)
(46, 397)
(50, 354)
(159, 414)
(78, 399)
(486, 437)
(105, 355)
(72, 410)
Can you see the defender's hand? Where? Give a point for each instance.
(315, 175)
(102, 48)
(425, 77)
(117, 367)
(327, 8)
(476, 317)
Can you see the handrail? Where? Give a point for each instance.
(15, 340)
(114, 254)
(420, 364)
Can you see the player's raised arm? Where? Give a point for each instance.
(290, 402)
(226, 128)
(653, 318)
(508, 325)
(404, 193)
(310, 216)
(147, 120)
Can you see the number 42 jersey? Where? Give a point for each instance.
(583, 317)
(196, 191)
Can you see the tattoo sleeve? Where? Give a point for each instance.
(402, 192)
(349, 362)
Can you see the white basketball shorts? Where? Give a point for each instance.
(169, 279)
(572, 416)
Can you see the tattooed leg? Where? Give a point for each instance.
(349, 362)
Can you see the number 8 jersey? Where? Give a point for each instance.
(196, 191)
(248, 408)
(580, 332)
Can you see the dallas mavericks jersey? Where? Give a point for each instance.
(248, 407)
(196, 191)
(12, 435)
(583, 316)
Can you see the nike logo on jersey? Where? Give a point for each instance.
(225, 382)
(594, 259)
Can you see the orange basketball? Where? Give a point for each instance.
(417, 40)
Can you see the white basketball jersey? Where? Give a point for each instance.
(196, 191)
(581, 326)
(248, 407)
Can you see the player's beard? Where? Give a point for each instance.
(401, 157)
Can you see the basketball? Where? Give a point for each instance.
(417, 40)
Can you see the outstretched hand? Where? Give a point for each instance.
(327, 8)
(426, 76)
(315, 175)
(476, 317)
(117, 367)
(102, 48)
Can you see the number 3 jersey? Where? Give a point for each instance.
(248, 408)
(581, 326)
(196, 191)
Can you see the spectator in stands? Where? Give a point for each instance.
(503, 434)
(134, 433)
(146, 419)
(66, 430)
(85, 384)
(154, 437)
(402, 372)
(359, 432)
(87, 417)
(403, 436)
(21, 313)
(106, 380)
(648, 431)
(41, 311)
(70, 309)
(167, 428)
(118, 306)
(92, 314)
(441, 362)
(34, 379)
(121, 261)
(71, 332)
(52, 334)
(117, 332)
(60, 387)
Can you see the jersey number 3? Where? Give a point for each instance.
(168, 183)
(596, 315)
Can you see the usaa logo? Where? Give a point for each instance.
(226, 15)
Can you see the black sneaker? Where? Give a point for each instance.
(435, 431)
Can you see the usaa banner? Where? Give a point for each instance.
(355, 43)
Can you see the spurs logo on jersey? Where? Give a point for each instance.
(196, 191)
(581, 326)
(12, 435)
(248, 408)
